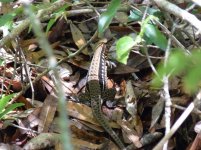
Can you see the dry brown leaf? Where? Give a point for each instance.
(47, 113)
(80, 111)
(137, 125)
(84, 112)
(31, 121)
(35, 57)
(85, 135)
(81, 144)
(78, 38)
(43, 140)
(130, 99)
(92, 126)
(196, 145)
(121, 17)
(48, 84)
(56, 32)
(26, 43)
(9, 147)
(130, 133)
(156, 112)
(26, 102)
(83, 27)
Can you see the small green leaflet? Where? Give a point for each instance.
(106, 17)
(5, 107)
(6, 1)
(124, 46)
(154, 35)
(10, 108)
(1, 62)
(6, 18)
(58, 13)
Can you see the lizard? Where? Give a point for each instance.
(96, 85)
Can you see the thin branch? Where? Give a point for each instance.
(177, 11)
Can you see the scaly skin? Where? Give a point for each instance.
(96, 83)
(95, 96)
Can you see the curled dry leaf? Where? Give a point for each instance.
(83, 112)
(47, 113)
(130, 133)
(78, 38)
(130, 99)
(80, 111)
(156, 112)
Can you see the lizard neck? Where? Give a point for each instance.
(98, 68)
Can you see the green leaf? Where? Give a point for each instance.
(4, 101)
(6, 18)
(10, 108)
(176, 63)
(6, 1)
(62, 9)
(1, 62)
(57, 14)
(50, 24)
(193, 75)
(192, 79)
(106, 17)
(135, 15)
(124, 45)
(155, 36)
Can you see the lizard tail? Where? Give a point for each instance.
(105, 124)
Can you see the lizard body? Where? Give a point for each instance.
(96, 84)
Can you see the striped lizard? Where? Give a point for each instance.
(96, 84)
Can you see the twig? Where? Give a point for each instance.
(49, 69)
(177, 11)
(197, 2)
(179, 121)
(42, 40)
(174, 128)
(22, 26)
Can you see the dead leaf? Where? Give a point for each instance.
(130, 133)
(56, 31)
(80, 111)
(130, 99)
(78, 38)
(27, 104)
(82, 134)
(156, 112)
(84, 112)
(121, 17)
(31, 121)
(81, 144)
(92, 126)
(196, 143)
(43, 140)
(83, 27)
(136, 124)
(9, 147)
(47, 113)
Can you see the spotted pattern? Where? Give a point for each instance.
(96, 83)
